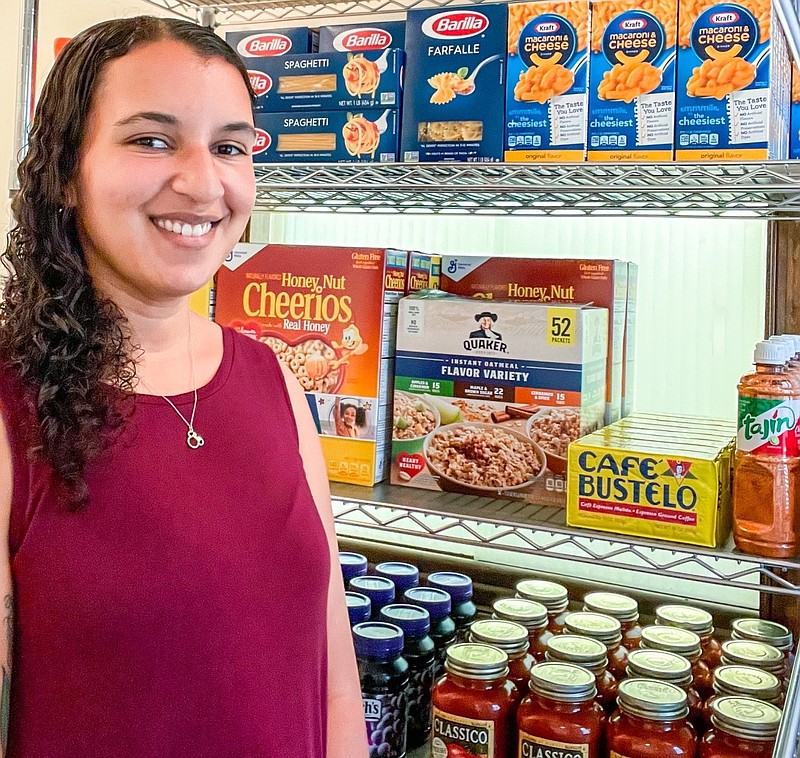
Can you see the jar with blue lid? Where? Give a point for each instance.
(459, 587)
(384, 679)
(352, 565)
(443, 628)
(404, 575)
(359, 607)
(378, 589)
(419, 651)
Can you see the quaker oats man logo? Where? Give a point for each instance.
(486, 322)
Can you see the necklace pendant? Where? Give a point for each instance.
(194, 440)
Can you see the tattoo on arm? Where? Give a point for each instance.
(5, 695)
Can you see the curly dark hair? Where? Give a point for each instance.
(69, 346)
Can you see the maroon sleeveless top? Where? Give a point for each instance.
(183, 612)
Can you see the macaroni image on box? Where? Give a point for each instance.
(632, 80)
(794, 135)
(330, 315)
(362, 38)
(327, 137)
(266, 43)
(453, 108)
(546, 78)
(733, 83)
(327, 81)
(488, 398)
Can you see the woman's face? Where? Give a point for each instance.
(165, 182)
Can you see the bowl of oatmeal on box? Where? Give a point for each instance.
(414, 418)
(553, 429)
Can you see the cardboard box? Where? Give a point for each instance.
(651, 484)
(453, 107)
(742, 114)
(201, 301)
(327, 137)
(632, 81)
(546, 81)
(255, 44)
(330, 314)
(629, 348)
(361, 38)
(518, 379)
(601, 282)
(794, 135)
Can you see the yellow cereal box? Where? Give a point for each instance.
(651, 484)
(201, 302)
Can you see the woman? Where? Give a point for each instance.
(170, 537)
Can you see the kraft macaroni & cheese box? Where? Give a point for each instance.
(362, 38)
(327, 137)
(546, 79)
(488, 394)
(794, 136)
(646, 479)
(632, 81)
(330, 315)
(453, 105)
(733, 84)
(601, 282)
(255, 44)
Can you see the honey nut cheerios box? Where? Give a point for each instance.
(489, 394)
(454, 99)
(669, 479)
(632, 80)
(794, 134)
(546, 81)
(733, 85)
(330, 314)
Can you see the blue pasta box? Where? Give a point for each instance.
(546, 79)
(734, 86)
(267, 43)
(327, 81)
(632, 81)
(327, 137)
(362, 38)
(794, 134)
(455, 59)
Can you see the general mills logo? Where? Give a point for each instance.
(548, 27)
(729, 17)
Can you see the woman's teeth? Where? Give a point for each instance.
(186, 230)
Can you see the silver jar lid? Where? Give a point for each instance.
(510, 637)
(582, 651)
(552, 596)
(620, 607)
(531, 614)
(474, 660)
(651, 699)
(563, 682)
(757, 630)
(672, 640)
(686, 617)
(597, 625)
(747, 681)
(758, 654)
(745, 717)
(661, 665)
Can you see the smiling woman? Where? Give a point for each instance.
(163, 500)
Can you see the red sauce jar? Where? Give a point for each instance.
(474, 704)
(743, 681)
(560, 716)
(759, 655)
(621, 607)
(552, 596)
(685, 643)
(694, 620)
(605, 629)
(532, 615)
(741, 727)
(671, 668)
(770, 632)
(512, 639)
(651, 722)
(591, 655)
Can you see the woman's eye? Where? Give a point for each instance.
(228, 149)
(153, 142)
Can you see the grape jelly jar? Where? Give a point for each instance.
(695, 620)
(404, 575)
(552, 596)
(378, 589)
(419, 652)
(384, 679)
(741, 727)
(459, 587)
(512, 639)
(532, 615)
(443, 628)
(591, 655)
(352, 565)
(359, 607)
(621, 607)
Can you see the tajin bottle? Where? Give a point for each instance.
(766, 516)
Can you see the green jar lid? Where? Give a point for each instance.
(552, 596)
(673, 640)
(510, 637)
(620, 607)
(747, 681)
(651, 699)
(597, 625)
(476, 661)
(745, 717)
(757, 630)
(758, 654)
(686, 617)
(587, 652)
(661, 665)
(563, 682)
(531, 614)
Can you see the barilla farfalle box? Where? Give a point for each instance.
(546, 79)
(453, 105)
(632, 80)
(361, 38)
(330, 315)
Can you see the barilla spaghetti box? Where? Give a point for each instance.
(632, 81)
(327, 137)
(330, 314)
(546, 79)
(794, 135)
(489, 394)
(629, 348)
(602, 282)
(362, 38)
(327, 81)
(733, 84)
(453, 107)
(255, 44)
(651, 485)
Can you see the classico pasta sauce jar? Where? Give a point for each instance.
(532, 615)
(551, 595)
(605, 629)
(621, 607)
(757, 654)
(770, 632)
(590, 654)
(685, 643)
(695, 620)
(512, 639)
(743, 681)
(741, 727)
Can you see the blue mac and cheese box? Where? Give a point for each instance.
(267, 43)
(327, 137)
(632, 81)
(794, 133)
(362, 38)
(327, 81)
(453, 109)
(546, 73)
(733, 85)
